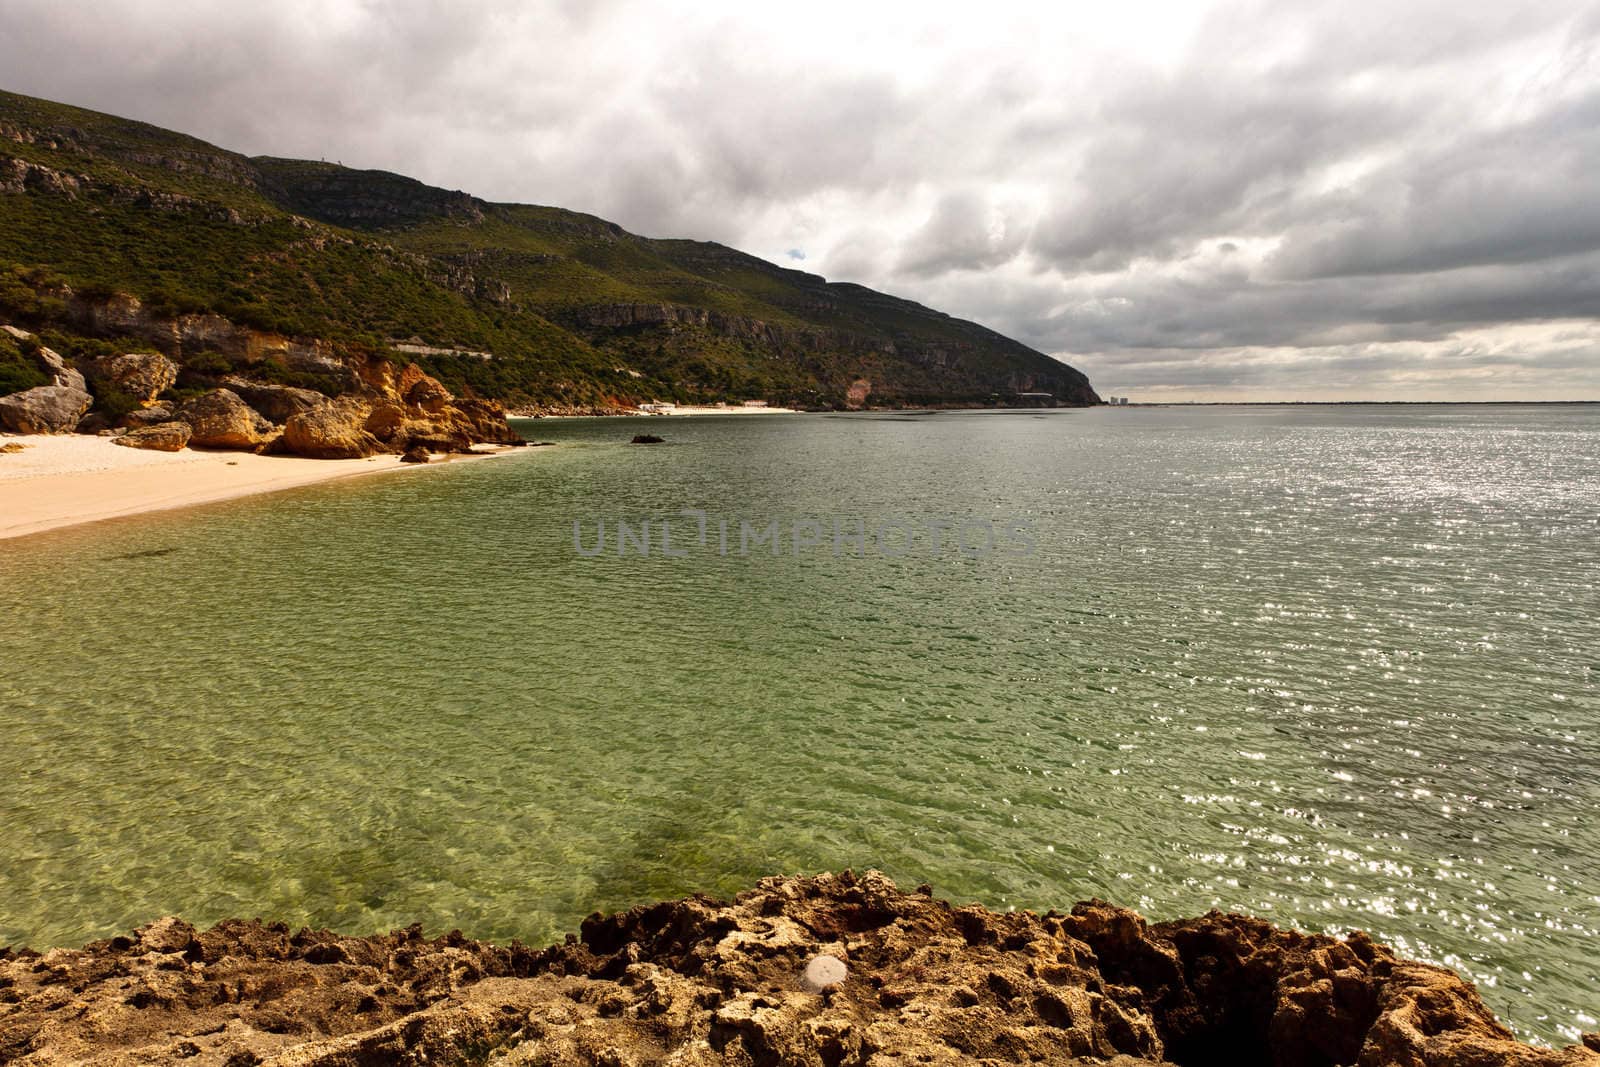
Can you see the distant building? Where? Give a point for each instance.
(1041, 399)
(656, 407)
(755, 403)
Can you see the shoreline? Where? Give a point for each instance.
(834, 969)
(65, 480)
(682, 409)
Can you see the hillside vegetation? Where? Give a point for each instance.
(532, 305)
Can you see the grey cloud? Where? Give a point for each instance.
(965, 232)
(1304, 176)
(1516, 195)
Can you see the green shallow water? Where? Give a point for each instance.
(1331, 666)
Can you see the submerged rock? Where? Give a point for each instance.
(700, 981)
(647, 439)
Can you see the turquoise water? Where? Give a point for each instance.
(1332, 666)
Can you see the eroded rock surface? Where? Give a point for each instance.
(44, 409)
(698, 981)
(143, 376)
(332, 430)
(220, 419)
(158, 437)
(276, 403)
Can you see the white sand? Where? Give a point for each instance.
(682, 409)
(72, 478)
(706, 409)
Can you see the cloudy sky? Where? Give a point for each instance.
(1188, 200)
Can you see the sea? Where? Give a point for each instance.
(1333, 666)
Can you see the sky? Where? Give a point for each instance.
(1199, 201)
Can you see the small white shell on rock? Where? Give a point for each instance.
(823, 972)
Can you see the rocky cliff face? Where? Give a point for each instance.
(830, 970)
(124, 315)
(383, 408)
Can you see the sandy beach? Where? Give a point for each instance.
(66, 480)
(681, 409)
(711, 409)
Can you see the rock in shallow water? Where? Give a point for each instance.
(700, 981)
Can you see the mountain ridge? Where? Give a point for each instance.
(573, 310)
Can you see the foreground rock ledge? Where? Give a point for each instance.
(698, 981)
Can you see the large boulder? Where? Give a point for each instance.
(221, 420)
(44, 409)
(141, 375)
(484, 421)
(334, 430)
(279, 403)
(389, 422)
(423, 394)
(402, 427)
(149, 416)
(61, 374)
(162, 437)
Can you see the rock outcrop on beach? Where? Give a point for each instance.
(220, 419)
(385, 409)
(332, 430)
(160, 437)
(141, 376)
(911, 979)
(276, 403)
(44, 409)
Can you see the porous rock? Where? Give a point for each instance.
(276, 403)
(220, 419)
(160, 437)
(333, 430)
(143, 376)
(44, 409)
(701, 981)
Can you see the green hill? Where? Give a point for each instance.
(531, 305)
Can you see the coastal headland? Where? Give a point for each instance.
(832, 969)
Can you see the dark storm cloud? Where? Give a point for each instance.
(1183, 198)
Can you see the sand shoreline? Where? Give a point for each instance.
(681, 409)
(71, 479)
